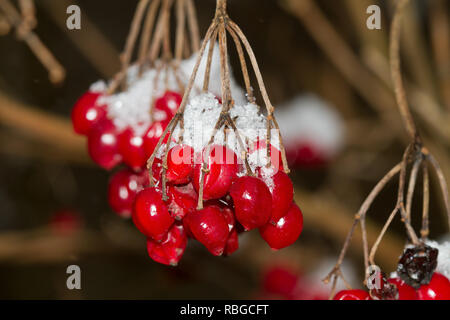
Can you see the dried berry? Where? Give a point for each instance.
(417, 264)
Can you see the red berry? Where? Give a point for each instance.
(131, 147)
(171, 249)
(86, 113)
(103, 145)
(209, 227)
(279, 280)
(169, 102)
(232, 243)
(286, 231)
(180, 164)
(223, 166)
(183, 200)
(122, 189)
(152, 136)
(282, 195)
(306, 154)
(65, 222)
(405, 291)
(252, 201)
(151, 215)
(437, 289)
(275, 155)
(355, 294)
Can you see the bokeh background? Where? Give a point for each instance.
(320, 47)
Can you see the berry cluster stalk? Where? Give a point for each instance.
(218, 30)
(416, 154)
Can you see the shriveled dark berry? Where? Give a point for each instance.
(386, 291)
(417, 264)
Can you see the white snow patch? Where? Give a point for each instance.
(443, 265)
(308, 118)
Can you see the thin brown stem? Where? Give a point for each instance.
(424, 231)
(149, 23)
(442, 182)
(399, 89)
(193, 26)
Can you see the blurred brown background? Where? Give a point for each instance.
(322, 47)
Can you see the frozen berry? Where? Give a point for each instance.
(259, 150)
(252, 201)
(170, 250)
(405, 291)
(151, 215)
(131, 147)
(355, 294)
(285, 231)
(222, 166)
(183, 200)
(437, 289)
(86, 113)
(169, 102)
(103, 144)
(417, 264)
(209, 227)
(122, 189)
(179, 164)
(282, 195)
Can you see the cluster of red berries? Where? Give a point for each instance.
(107, 145)
(416, 279)
(233, 204)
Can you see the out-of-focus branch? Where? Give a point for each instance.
(55, 69)
(28, 13)
(56, 132)
(97, 49)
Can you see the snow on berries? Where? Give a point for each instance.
(313, 131)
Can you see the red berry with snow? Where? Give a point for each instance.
(169, 102)
(252, 201)
(209, 227)
(103, 144)
(170, 250)
(437, 289)
(355, 294)
(282, 195)
(259, 149)
(122, 189)
(151, 215)
(222, 166)
(86, 113)
(180, 164)
(286, 231)
(405, 291)
(131, 147)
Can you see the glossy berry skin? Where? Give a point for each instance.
(252, 202)
(183, 200)
(170, 250)
(223, 166)
(405, 291)
(180, 164)
(151, 215)
(103, 146)
(282, 195)
(355, 294)
(169, 102)
(232, 243)
(210, 228)
(86, 113)
(152, 136)
(437, 289)
(122, 189)
(131, 148)
(286, 231)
